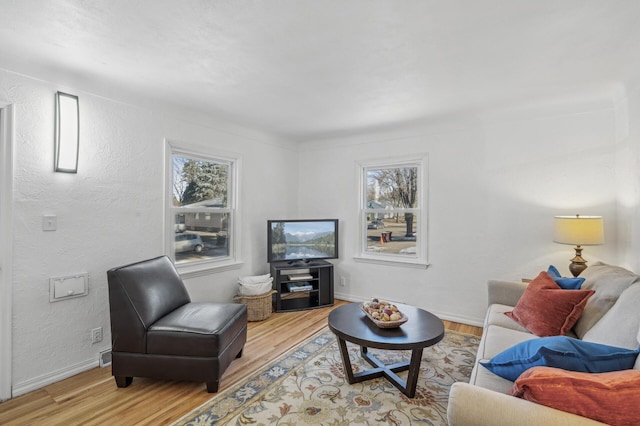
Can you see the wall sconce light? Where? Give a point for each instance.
(579, 231)
(67, 133)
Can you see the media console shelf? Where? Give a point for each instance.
(301, 286)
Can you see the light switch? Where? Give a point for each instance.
(49, 222)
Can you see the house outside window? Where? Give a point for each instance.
(201, 210)
(393, 211)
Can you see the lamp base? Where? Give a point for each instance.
(578, 264)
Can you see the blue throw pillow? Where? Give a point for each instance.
(561, 352)
(564, 282)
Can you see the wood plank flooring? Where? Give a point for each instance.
(92, 398)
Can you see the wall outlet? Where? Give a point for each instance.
(343, 281)
(96, 335)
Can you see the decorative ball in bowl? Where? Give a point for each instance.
(384, 314)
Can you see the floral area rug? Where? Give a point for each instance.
(307, 385)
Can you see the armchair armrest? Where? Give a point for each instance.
(471, 405)
(505, 292)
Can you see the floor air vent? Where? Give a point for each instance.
(105, 358)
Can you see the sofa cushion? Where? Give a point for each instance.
(564, 282)
(619, 326)
(547, 310)
(562, 352)
(496, 316)
(494, 340)
(610, 398)
(498, 339)
(608, 282)
(486, 379)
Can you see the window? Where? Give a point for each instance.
(393, 212)
(202, 210)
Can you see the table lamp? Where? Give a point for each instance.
(579, 231)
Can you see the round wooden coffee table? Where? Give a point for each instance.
(423, 329)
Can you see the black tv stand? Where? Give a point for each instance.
(303, 263)
(314, 279)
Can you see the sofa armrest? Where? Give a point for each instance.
(505, 292)
(471, 405)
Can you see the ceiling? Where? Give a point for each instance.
(308, 69)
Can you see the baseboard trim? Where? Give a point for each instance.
(459, 319)
(55, 376)
(442, 315)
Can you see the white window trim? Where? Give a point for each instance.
(204, 267)
(7, 141)
(420, 260)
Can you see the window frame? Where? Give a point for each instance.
(205, 266)
(420, 259)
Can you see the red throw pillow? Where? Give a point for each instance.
(611, 398)
(545, 309)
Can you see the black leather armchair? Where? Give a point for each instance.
(157, 332)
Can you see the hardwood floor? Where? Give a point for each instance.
(92, 398)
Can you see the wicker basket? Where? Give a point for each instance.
(258, 307)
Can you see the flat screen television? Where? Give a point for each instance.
(302, 241)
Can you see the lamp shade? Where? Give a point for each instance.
(579, 230)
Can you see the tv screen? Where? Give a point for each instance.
(302, 240)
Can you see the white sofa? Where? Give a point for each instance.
(611, 316)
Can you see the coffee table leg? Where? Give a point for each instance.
(346, 362)
(414, 370)
(408, 388)
(363, 352)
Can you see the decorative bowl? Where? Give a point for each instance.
(386, 324)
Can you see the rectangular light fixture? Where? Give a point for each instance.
(67, 133)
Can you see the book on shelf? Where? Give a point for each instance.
(296, 287)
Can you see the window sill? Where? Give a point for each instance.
(403, 263)
(207, 268)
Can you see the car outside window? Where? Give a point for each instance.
(202, 209)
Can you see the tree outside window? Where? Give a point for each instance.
(393, 210)
(201, 208)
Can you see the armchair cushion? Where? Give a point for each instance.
(139, 295)
(196, 329)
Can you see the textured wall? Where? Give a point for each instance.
(111, 213)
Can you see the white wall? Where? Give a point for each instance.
(495, 184)
(111, 213)
(628, 135)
